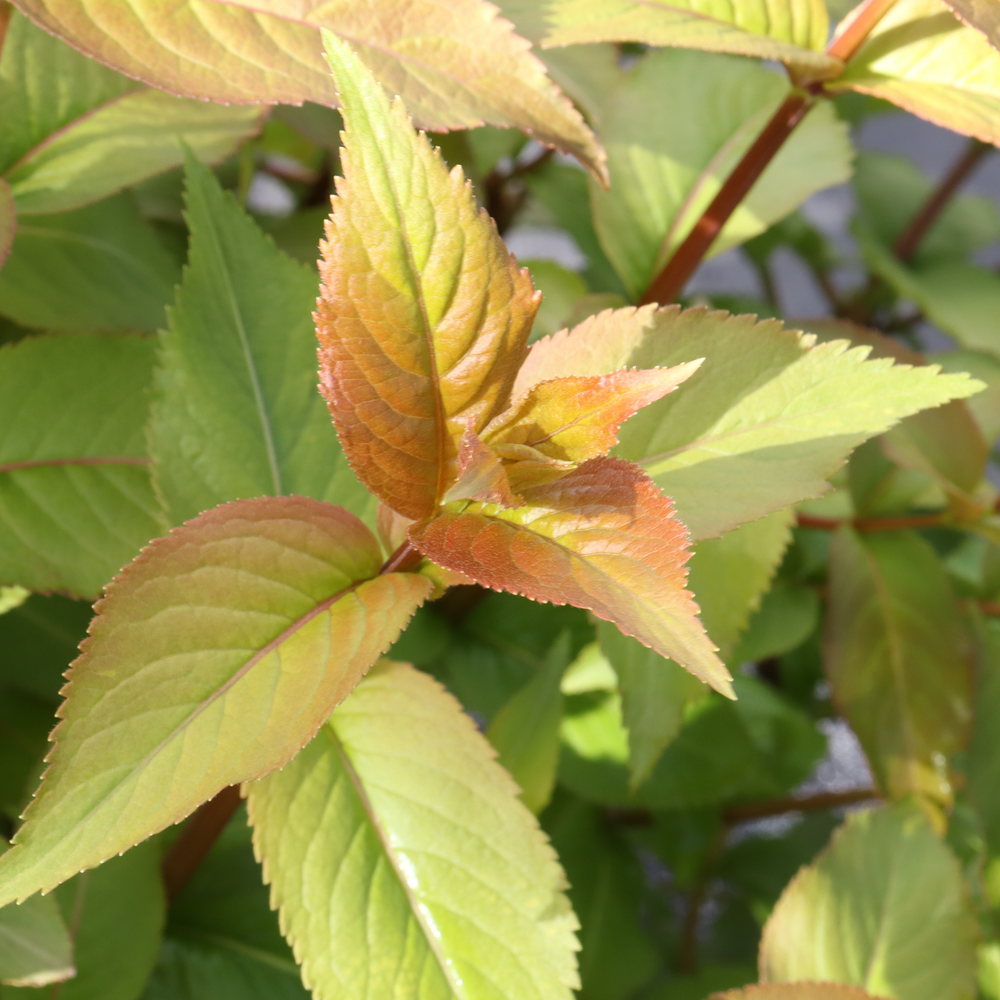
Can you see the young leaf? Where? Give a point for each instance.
(601, 538)
(8, 220)
(213, 659)
(235, 411)
(456, 66)
(525, 732)
(980, 14)
(894, 893)
(765, 420)
(790, 31)
(117, 912)
(75, 494)
(97, 268)
(35, 948)
(923, 59)
(666, 168)
(424, 315)
(401, 861)
(137, 135)
(898, 659)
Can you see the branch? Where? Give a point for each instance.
(912, 236)
(810, 803)
(6, 10)
(866, 16)
(196, 839)
(872, 523)
(687, 958)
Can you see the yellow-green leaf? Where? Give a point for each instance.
(795, 991)
(402, 862)
(925, 60)
(213, 659)
(456, 65)
(883, 908)
(424, 315)
(981, 14)
(790, 31)
(8, 220)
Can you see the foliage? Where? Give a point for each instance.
(469, 674)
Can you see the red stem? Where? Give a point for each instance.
(405, 559)
(872, 523)
(912, 236)
(847, 43)
(809, 803)
(6, 10)
(196, 839)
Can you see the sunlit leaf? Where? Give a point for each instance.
(525, 732)
(790, 31)
(235, 410)
(214, 658)
(601, 538)
(102, 267)
(456, 65)
(795, 991)
(765, 420)
(424, 315)
(894, 893)
(666, 168)
(981, 14)
(75, 492)
(401, 861)
(898, 659)
(923, 59)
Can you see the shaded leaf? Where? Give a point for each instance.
(606, 890)
(525, 732)
(666, 169)
(790, 31)
(117, 912)
(424, 316)
(922, 58)
(35, 948)
(231, 641)
(8, 220)
(897, 658)
(402, 862)
(979, 14)
(481, 475)
(982, 760)
(97, 268)
(456, 66)
(655, 692)
(787, 616)
(985, 405)
(894, 892)
(601, 538)
(235, 412)
(765, 420)
(75, 492)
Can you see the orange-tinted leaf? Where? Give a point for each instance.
(577, 418)
(981, 14)
(795, 991)
(481, 475)
(455, 64)
(8, 220)
(424, 315)
(602, 537)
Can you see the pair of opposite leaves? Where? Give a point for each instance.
(221, 650)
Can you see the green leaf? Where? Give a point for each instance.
(897, 658)
(787, 616)
(606, 890)
(922, 58)
(894, 892)
(235, 411)
(560, 288)
(117, 912)
(765, 420)
(985, 405)
(75, 492)
(982, 760)
(213, 659)
(8, 220)
(35, 948)
(790, 31)
(525, 732)
(101, 267)
(666, 169)
(222, 939)
(25, 724)
(795, 991)
(401, 861)
(456, 68)
(655, 692)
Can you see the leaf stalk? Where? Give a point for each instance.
(404, 560)
(867, 524)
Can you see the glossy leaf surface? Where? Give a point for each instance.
(102, 267)
(898, 659)
(402, 862)
(216, 655)
(455, 65)
(75, 492)
(789, 31)
(761, 424)
(923, 59)
(235, 409)
(603, 538)
(894, 892)
(666, 169)
(424, 315)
